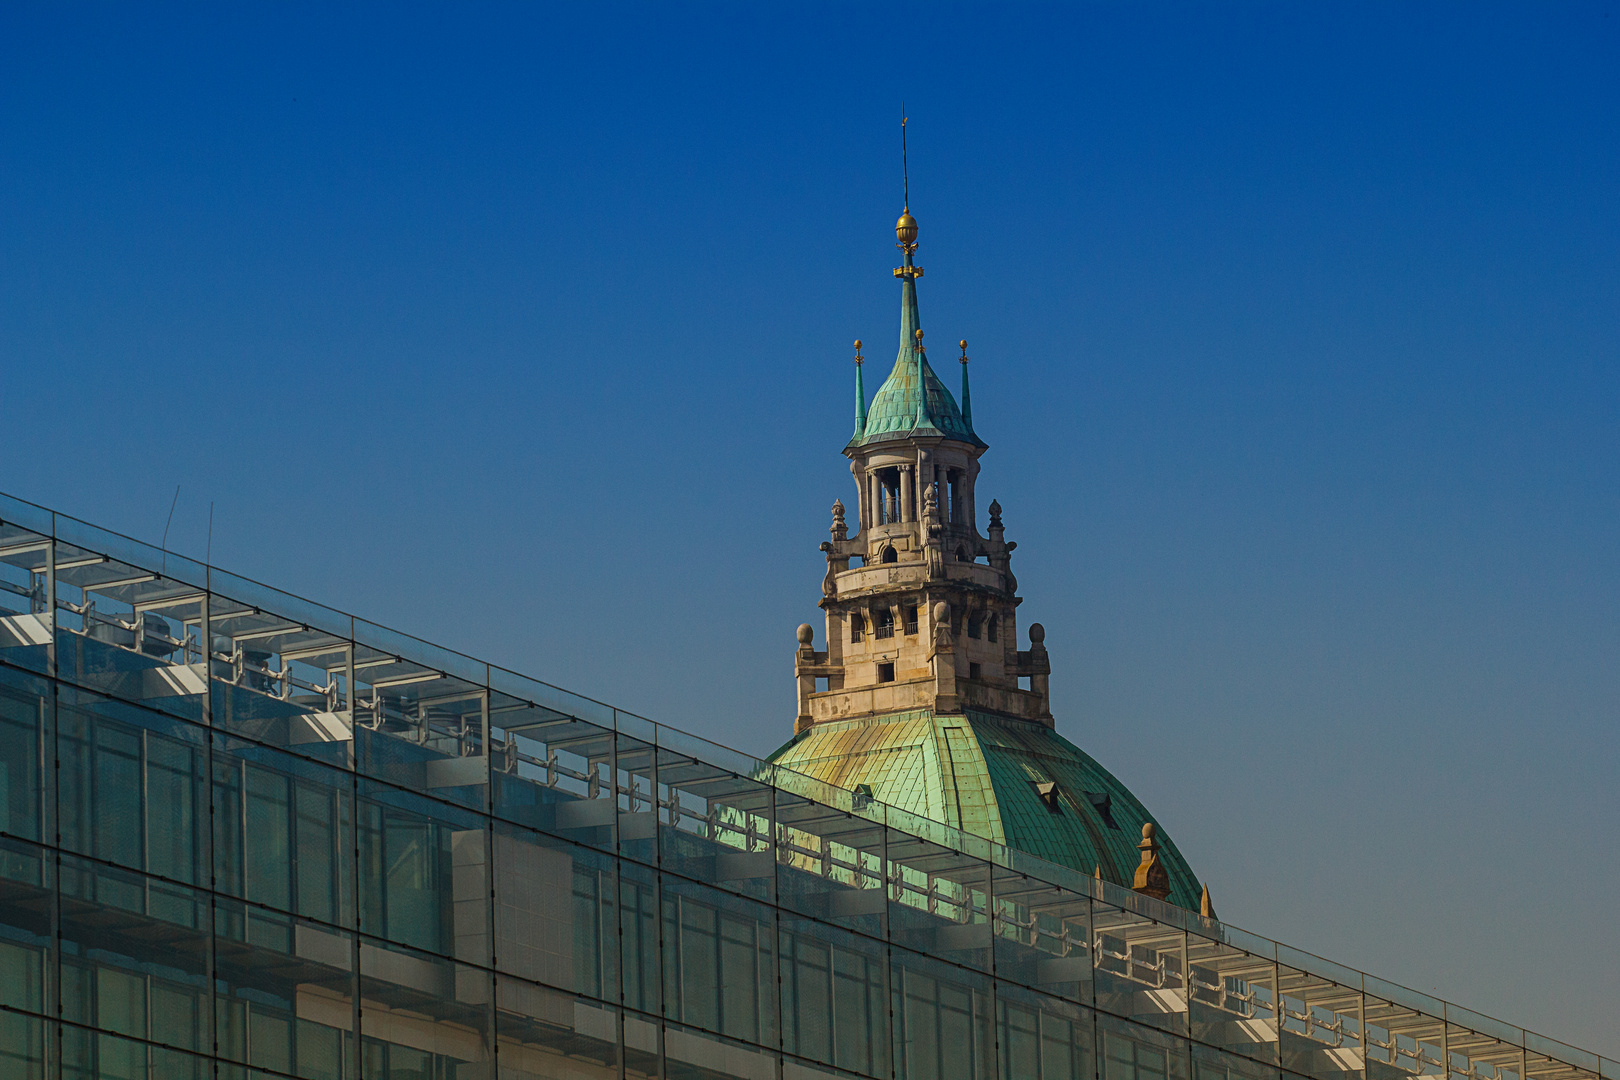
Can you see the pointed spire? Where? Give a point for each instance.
(1205, 908)
(860, 392)
(922, 381)
(1097, 873)
(967, 402)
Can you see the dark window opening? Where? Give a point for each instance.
(1103, 803)
(974, 671)
(886, 673)
(857, 628)
(910, 613)
(990, 631)
(889, 555)
(975, 624)
(962, 555)
(883, 622)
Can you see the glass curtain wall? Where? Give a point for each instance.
(246, 836)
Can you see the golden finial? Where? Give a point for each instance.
(963, 343)
(905, 230)
(859, 359)
(920, 346)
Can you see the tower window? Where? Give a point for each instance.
(962, 555)
(889, 555)
(990, 631)
(910, 613)
(857, 627)
(974, 671)
(883, 624)
(975, 623)
(886, 672)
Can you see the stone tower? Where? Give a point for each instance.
(922, 698)
(921, 609)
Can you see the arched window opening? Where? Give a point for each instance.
(909, 612)
(883, 623)
(857, 628)
(889, 555)
(975, 623)
(993, 629)
(962, 555)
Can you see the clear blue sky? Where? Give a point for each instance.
(527, 331)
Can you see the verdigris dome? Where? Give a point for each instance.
(984, 774)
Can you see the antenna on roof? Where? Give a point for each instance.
(905, 168)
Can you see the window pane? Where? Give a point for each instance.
(424, 878)
(544, 1033)
(285, 991)
(24, 707)
(119, 965)
(943, 1023)
(719, 962)
(424, 1015)
(283, 833)
(556, 918)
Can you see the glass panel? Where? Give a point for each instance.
(1042, 934)
(131, 552)
(1139, 967)
(25, 616)
(638, 937)
(835, 996)
(134, 955)
(939, 901)
(22, 1045)
(24, 731)
(636, 787)
(283, 831)
(544, 1033)
(1539, 1066)
(130, 786)
(27, 898)
(129, 632)
(556, 914)
(87, 1055)
(830, 864)
(552, 772)
(1474, 1056)
(1401, 1041)
(424, 873)
(285, 991)
(700, 1055)
(719, 962)
(1039, 1037)
(419, 728)
(1211, 1064)
(279, 681)
(1127, 1051)
(716, 825)
(943, 1020)
(1233, 998)
(1321, 1033)
(424, 1015)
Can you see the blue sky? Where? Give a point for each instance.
(527, 331)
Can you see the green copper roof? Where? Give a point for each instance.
(978, 772)
(906, 405)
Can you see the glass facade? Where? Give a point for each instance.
(245, 836)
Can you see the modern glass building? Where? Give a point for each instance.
(243, 835)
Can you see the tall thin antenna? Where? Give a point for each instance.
(172, 503)
(905, 168)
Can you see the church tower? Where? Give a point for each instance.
(922, 697)
(921, 609)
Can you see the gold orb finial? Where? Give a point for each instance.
(905, 230)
